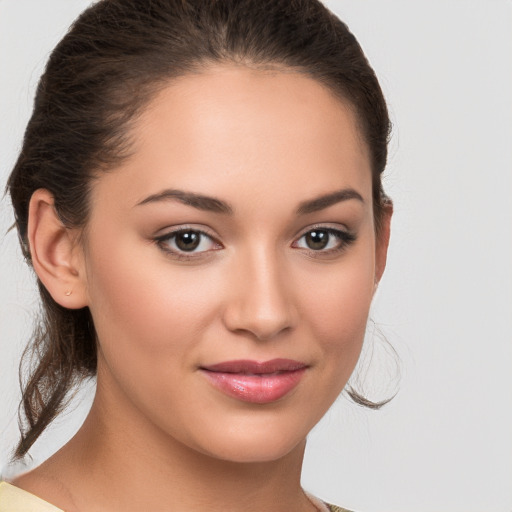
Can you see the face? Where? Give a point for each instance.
(230, 262)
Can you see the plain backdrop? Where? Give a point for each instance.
(445, 304)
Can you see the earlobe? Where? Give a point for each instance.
(55, 253)
(382, 241)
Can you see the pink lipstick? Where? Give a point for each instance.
(251, 381)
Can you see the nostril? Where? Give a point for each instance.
(261, 323)
(261, 302)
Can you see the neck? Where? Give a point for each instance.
(132, 465)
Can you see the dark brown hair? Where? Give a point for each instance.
(101, 75)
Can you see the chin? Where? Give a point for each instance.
(266, 451)
(254, 443)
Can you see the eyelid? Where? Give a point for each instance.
(327, 226)
(171, 230)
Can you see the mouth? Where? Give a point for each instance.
(255, 382)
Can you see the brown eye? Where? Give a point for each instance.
(188, 240)
(317, 239)
(325, 240)
(191, 241)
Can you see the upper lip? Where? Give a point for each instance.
(254, 367)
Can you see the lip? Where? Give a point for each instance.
(253, 381)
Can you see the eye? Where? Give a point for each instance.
(324, 240)
(187, 241)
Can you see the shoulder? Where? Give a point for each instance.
(14, 499)
(44, 488)
(38, 490)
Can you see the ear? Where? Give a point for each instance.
(382, 241)
(56, 254)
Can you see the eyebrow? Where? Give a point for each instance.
(212, 204)
(206, 203)
(326, 200)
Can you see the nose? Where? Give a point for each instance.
(261, 301)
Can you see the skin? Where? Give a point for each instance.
(264, 143)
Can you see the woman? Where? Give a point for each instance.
(199, 195)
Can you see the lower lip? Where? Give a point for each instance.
(258, 389)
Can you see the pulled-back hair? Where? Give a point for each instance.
(99, 78)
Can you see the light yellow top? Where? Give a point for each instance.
(14, 499)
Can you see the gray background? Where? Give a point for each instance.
(445, 303)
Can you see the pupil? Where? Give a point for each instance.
(188, 240)
(317, 239)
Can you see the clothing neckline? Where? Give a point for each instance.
(9, 491)
(12, 491)
(319, 504)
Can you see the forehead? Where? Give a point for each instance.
(232, 129)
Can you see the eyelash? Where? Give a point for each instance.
(344, 239)
(163, 243)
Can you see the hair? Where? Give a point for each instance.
(115, 57)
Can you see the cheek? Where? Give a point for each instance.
(150, 318)
(338, 306)
(143, 307)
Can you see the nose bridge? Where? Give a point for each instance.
(261, 299)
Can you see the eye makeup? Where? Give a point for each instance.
(190, 243)
(187, 243)
(324, 241)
